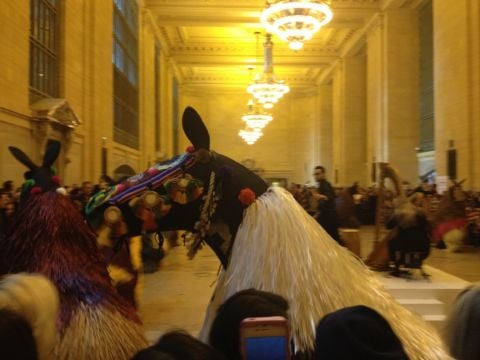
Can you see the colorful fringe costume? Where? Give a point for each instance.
(50, 237)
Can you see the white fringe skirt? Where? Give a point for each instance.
(281, 249)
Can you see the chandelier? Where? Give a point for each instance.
(256, 118)
(296, 21)
(250, 135)
(265, 88)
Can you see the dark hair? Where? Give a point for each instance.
(151, 354)
(225, 331)
(182, 346)
(357, 332)
(16, 337)
(318, 167)
(8, 185)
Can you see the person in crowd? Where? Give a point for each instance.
(152, 354)
(16, 337)
(3, 219)
(182, 346)
(347, 216)
(357, 332)
(412, 235)
(463, 325)
(326, 216)
(83, 195)
(28, 312)
(225, 331)
(9, 189)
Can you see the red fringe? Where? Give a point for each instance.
(50, 236)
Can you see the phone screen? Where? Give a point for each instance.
(269, 347)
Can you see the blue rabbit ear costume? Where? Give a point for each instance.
(49, 236)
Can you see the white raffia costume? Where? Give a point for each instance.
(281, 249)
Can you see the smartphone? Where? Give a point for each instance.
(265, 338)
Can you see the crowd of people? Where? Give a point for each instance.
(356, 332)
(351, 207)
(29, 307)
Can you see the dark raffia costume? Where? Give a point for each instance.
(49, 236)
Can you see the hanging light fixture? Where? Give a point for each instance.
(255, 117)
(265, 88)
(296, 21)
(249, 135)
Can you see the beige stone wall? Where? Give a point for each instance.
(14, 47)
(349, 122)
(287, 148)
(324, 128)
(393, 91)
(457, 82)
(86, 81)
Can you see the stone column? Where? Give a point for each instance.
(393, 91)
(457, 86)
(349, 121)
(324, 129)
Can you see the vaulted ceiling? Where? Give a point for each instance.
(213, 42)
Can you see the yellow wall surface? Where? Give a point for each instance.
(457, 86)
(86, 82)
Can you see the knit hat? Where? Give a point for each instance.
(357, 332)
(35, 298)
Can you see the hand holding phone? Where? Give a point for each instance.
(265, 338)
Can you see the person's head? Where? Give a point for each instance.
(36, 299)
(319, 173)
(357, 332)
(463, 325)
(16, 337)
(87, 187)
(152, 354)
(10, 209)
(181, 346)
(225, 331)
(4, 199)
(8, 186)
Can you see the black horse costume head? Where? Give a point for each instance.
(41, 178)
(189, 192)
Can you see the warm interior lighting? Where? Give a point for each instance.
(266, 89)
(249, 135)
(255, 118)
(296, 21)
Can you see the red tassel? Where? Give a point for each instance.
(190, 149)
(36, 190)
(247, 196)
(56, 179)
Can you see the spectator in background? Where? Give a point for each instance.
(16, 337)
(82, 196)
(225, 331)
(327, 216)
(182, 346)
(28, 313)
(357, 332)
(9, 189)
(463, 326)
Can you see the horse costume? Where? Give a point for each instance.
(49, 236)
(263, 238)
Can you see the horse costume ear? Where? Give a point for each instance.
(195, 129)
(22, 157)
(51, 154)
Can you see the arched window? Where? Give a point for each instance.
(125, 72)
